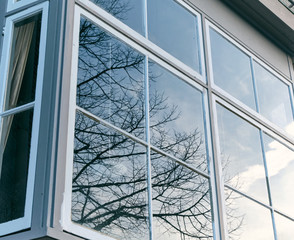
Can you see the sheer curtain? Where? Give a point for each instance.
(23, 37)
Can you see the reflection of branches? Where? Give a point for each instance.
(109, 187)
(109, 183)
(181, 201)
(234, 219)
(118, 8)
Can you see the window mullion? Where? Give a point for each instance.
(149, 180)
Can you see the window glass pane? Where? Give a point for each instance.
(280, 165)
(176, 117)
(109, 182)
(274, 98)
(129, 12)
(285, 227)
(110, 79)
(241, 154)
(174, 29)
(14, 162)
(181, 201)
(24, 63)
(231, 69)
(247, 219)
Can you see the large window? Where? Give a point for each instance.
(160, 149)
(140, 164)
(149, 120)
(21, 84)
(254, 143)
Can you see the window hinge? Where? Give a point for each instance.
(3, 31)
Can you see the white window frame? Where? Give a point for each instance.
(253, 58)
(13, 4)
(24, 222)
(67, 224)
(261, 128)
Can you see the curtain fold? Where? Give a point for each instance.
(23, 38)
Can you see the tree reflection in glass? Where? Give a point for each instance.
(110, 79)
(129, 12)
(181, 201)
(176, 117)
(109, 181)
(109, 177)
(248, 220)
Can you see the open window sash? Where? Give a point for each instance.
(22, 42)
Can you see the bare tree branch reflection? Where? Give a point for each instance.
(109, 183)
(118, 8)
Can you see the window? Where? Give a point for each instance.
(140, 137)
(244, 77)
(129, 12)
(280, 161)
(257, 167)
(242, 166)
(151, 120)
(140, 152)
(167, 30)
(253, 110)
(162, 30)
(21, 69)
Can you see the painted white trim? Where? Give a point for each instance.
(222, 197)
(25, 222)
(13, 4)
(211, 162)
(66, 205)
(87, 233)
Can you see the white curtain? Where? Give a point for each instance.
(23, 38)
